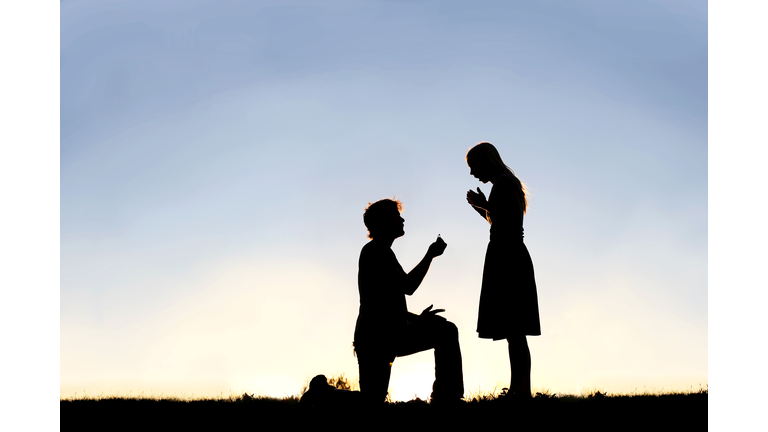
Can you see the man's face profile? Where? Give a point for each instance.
(383, 220)
(395, 224)
(391, 224)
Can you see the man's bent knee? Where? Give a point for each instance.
(449, 330)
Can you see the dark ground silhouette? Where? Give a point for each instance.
(671, 412)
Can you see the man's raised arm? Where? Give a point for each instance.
(414, 278)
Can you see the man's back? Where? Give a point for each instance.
(381, 285)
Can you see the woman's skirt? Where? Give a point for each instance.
(509, 305)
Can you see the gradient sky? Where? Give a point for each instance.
(217, 156)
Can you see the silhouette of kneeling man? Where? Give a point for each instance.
(385, 329)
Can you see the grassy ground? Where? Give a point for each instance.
(596, 411)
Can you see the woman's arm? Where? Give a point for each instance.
(483, 212)
(479, 203)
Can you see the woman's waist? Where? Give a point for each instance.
(507, 230)
(507, 237)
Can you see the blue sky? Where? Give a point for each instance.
(216, 158)
(108, 252)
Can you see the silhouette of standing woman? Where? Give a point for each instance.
(509, 306)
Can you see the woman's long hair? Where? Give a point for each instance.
(487, 152)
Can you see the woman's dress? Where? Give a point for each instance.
(508, 301)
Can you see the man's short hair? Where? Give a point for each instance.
(373, 213)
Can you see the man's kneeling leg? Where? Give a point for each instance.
(375, 370)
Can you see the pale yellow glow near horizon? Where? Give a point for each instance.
(266, 329)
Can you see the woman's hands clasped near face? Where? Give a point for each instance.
(477, 199)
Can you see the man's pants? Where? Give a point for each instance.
(420, 334)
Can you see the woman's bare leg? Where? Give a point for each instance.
(520, 363)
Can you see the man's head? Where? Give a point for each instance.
(383, 219)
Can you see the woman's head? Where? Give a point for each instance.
(486, 165)
(486, 160)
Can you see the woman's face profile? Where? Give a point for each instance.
(479, 170)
